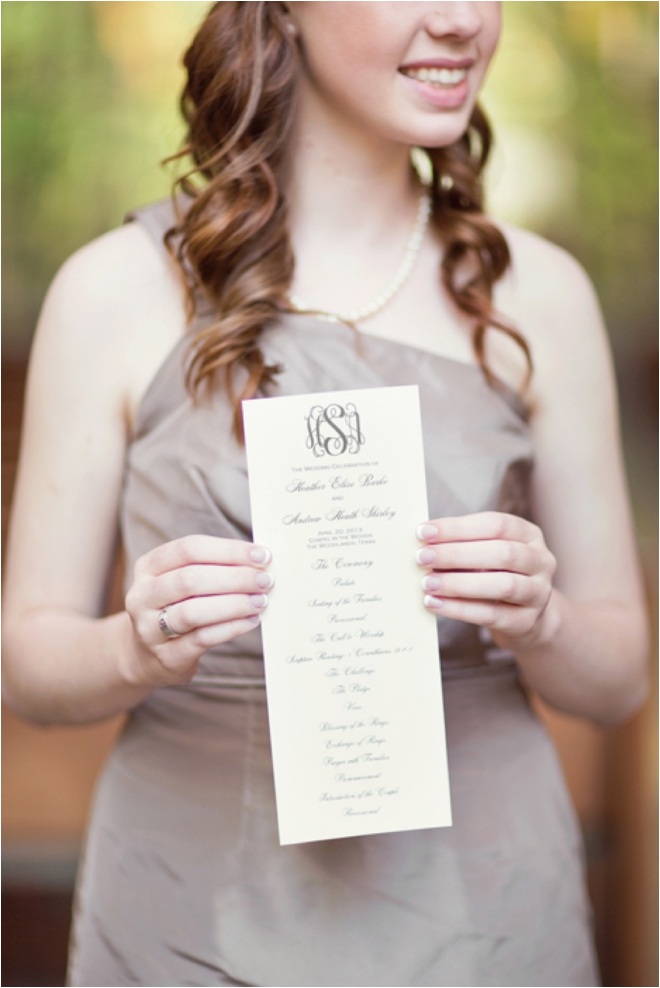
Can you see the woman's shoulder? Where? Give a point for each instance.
(548, 296)
(121, 271)
(543, 277)
(113, 312)
(547, 287)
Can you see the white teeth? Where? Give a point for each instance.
(443, 77)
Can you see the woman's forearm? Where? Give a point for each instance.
(62, 667)
(589, 658)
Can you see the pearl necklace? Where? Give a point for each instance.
(406, 266)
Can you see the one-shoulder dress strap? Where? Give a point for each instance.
(167, 389)
(156, 218)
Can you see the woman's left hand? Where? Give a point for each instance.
(490, 569)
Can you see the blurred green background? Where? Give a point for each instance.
(89, 97)
(90, 108)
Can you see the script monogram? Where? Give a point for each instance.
(334, 430)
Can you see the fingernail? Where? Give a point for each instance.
(431, 582)
(425, 556)
(260, 555)
(265, 580)
(426, 532)
(259, 600)
(433, 602)
(254, 618)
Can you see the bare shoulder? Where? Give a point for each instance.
(546, 286)
(118, 281)
(549, 297)
(113, 311)
(542, 274)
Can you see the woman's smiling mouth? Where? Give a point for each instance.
(440, 82)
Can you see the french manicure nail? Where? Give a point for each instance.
(265, 580)
(432, 582)
(259, 600)
(425, 556)
(433, 602)
(260, 555)
(426, 532)
(254, 618)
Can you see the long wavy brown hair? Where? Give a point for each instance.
(231, 239)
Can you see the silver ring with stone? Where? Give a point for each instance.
(164, 625)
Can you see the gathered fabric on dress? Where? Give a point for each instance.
(183, 881)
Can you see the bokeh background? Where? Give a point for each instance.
(89, 109)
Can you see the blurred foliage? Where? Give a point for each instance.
(90, 95)
(574, 98)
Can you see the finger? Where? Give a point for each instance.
(180, 655)
(508, 587)
(506, 618)
(198, 612)
(516, 557)
(200, 581)
(478, 527)
(194, 549)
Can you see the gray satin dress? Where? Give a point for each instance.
(183, 881)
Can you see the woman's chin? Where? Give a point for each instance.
(439, 134)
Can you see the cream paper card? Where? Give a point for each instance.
(337, 489)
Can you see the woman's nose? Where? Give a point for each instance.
(459, 20)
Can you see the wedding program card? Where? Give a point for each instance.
(337, 489)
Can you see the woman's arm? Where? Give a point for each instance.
(110, 317)
(579, 634)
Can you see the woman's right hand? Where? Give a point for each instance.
(213, 589)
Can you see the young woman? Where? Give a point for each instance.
(301, 122)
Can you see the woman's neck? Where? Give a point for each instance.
(340, 173)
(350, 193)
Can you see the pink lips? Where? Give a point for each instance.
(449, 98)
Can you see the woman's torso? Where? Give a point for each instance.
(184, 876)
